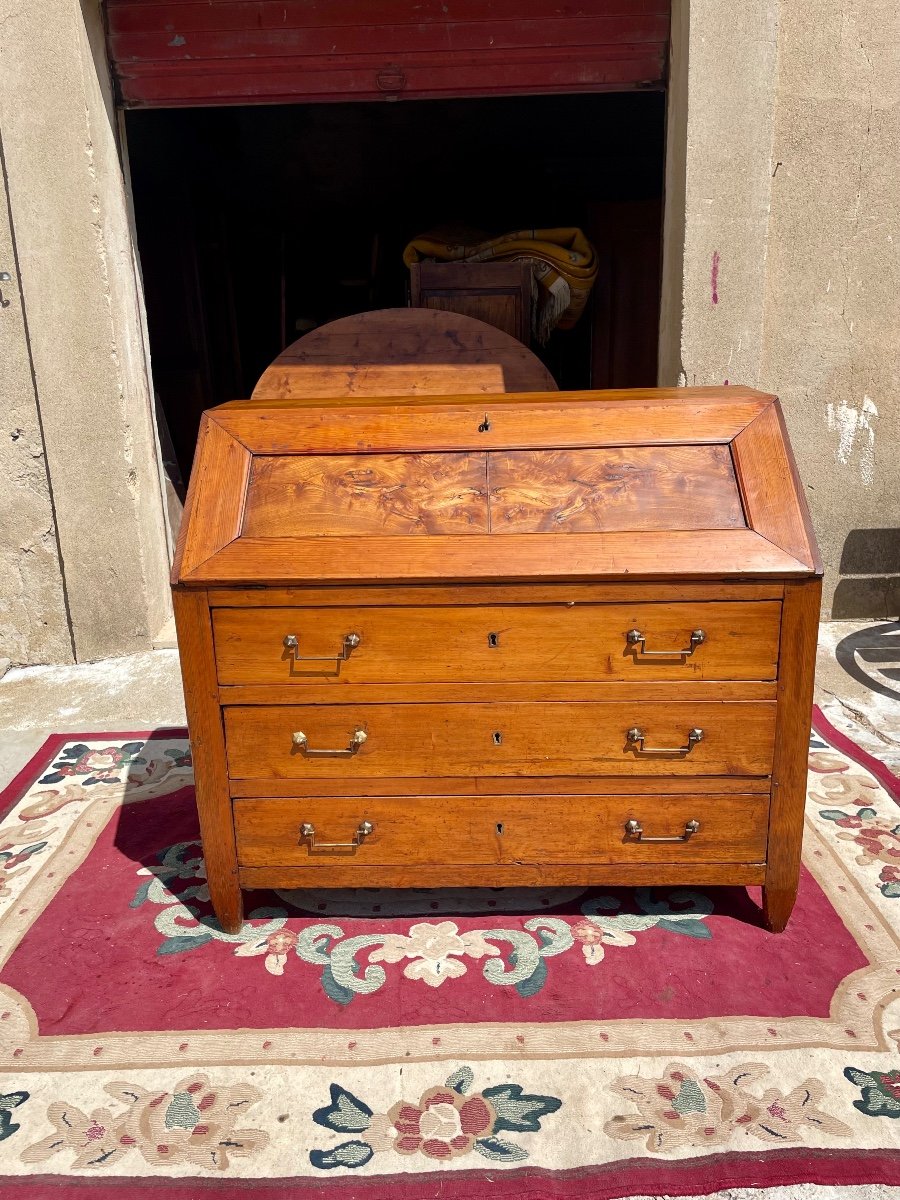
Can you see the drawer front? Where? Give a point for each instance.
(499, 644)
(414, 740)
(400, 832)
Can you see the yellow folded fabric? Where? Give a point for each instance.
(564, 261)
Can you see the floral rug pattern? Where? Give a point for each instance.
(436, 952)
(512, 1076)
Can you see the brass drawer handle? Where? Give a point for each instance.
(634, 637)
(633, 829)
(356, 740)
(309, 832)
(636, 738)
(349, 644)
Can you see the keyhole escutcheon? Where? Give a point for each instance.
(493, 640)
(498, 738)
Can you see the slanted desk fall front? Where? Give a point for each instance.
(561, 638)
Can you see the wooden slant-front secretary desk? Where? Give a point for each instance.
(562, 638)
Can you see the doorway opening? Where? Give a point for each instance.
(257, 223)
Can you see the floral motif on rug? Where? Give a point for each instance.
(607, 1041)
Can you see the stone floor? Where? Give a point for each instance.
(857, 686)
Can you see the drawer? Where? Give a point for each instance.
(499, 644)
(500, 830)
(415, 740)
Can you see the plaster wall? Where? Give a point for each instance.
(33, 614)
(831, 345)
(782, 263)
(77, 278)
(781, 270)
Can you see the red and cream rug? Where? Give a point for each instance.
(492, 1043)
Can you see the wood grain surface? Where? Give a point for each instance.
(498, 559)
(502, 829)
(487, 785)
(403, 352)
(614, 487)
(789, 774)
(461, 594)
(192, 620)
(215, 499)
(494, 644)
(316, 873)
(538, 421)
(498, 293)
(293, 496)
(534, 739)
(773, 495)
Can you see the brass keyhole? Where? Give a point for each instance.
(500, 828)
(493, 640)
(498, 738)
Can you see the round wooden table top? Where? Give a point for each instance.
(403, 352)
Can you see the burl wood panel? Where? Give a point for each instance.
(493, 644)
(298, 496)
(499, 739)
(501, 829)
(614, 488)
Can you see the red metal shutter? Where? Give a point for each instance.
(187, 52)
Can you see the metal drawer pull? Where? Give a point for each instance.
(300, 740)
(309, 832)
(636, 738)
(633, 829)
(349, 644)
(634, 637)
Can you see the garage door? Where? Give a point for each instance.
(187, 52)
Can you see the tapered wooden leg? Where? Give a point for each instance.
(796, 666)
(778, 904)
(227, 901)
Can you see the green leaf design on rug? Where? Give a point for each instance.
(695, 929)
(880, 1091)
(517, 1110)
(496, 1148)
(433, 953)
(535, 981)
(8, 1102)
(345, 1113)
(444, 1123)
(348, 1154)
(461, 1080)
(176, 945)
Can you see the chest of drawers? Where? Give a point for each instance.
(561, 638)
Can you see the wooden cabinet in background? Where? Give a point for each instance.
(544, 639)
(497, 293)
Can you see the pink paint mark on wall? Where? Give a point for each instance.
(714, 277)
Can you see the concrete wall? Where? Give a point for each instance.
(84, 354)
(781, 270)
(782, 265)
(832, 328)
(33, 613)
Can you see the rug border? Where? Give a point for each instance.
(683, 1178)
(645, 1176)
(48, 749)
(845, 744)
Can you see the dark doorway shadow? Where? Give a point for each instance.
(869, 584)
